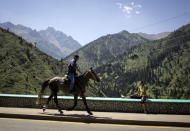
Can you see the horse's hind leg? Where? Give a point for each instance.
(56, 102)
(45, 106)
(75, 103)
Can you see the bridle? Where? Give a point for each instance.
(92, 74)
(85, 73)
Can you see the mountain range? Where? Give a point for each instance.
(54, 43)
(121, 60)
(107, 48)
(154, 36)
(163, 65)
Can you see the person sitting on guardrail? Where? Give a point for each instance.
(141, 93)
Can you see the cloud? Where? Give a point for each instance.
(130, 9)
(127, 9)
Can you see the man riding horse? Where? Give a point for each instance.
(59, 83)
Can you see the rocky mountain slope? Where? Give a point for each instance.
(54, 43)
(106, 48)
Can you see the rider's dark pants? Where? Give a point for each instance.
(72, 78)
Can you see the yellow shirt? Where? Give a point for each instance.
(142, 90)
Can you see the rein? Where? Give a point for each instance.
(85, 73)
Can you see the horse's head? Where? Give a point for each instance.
(92, 75)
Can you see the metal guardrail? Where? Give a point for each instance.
(104, 98)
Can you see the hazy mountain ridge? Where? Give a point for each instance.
(154, 36)
(65, 43)
(52, 42)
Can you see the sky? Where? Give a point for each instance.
(87, 20)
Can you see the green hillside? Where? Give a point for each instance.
(164, 66)
(23, 67)
(106, 48)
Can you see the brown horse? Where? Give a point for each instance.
(58, 83)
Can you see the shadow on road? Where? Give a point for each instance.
(75, 115)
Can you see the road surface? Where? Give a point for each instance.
(10, 124)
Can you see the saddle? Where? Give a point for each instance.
(66, 80)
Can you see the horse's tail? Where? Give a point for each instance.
(43, 87)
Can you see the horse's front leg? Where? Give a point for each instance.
(75, 103)
(56, 102)
(85, 103)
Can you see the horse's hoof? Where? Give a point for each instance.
(61, 112)
(90, 113)
(44, 108)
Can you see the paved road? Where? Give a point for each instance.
(9, 124)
